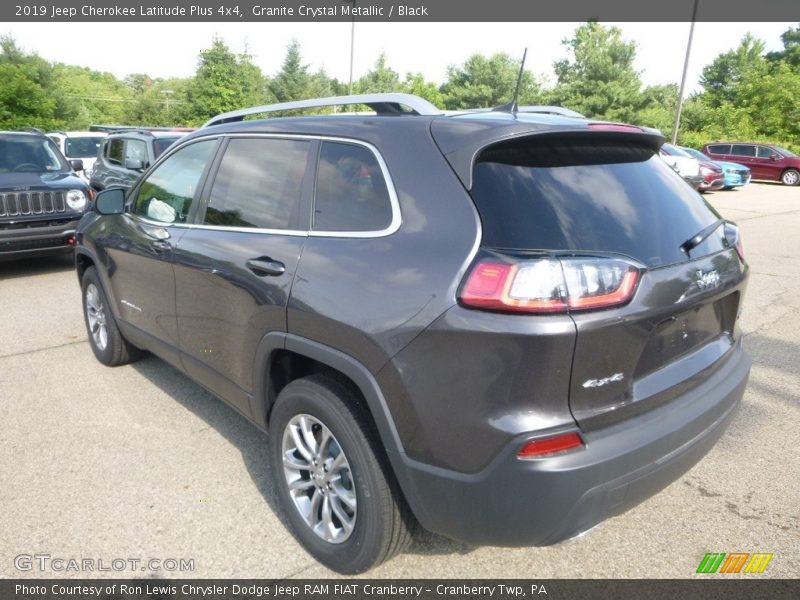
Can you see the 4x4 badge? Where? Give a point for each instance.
(707, 280)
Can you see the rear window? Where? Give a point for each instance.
(82, 147)
(588, 197)
(743, 150)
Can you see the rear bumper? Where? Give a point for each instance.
(34, 241)
(539, 502)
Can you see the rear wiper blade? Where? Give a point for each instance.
(699, 237)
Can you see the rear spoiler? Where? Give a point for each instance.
(462, 143)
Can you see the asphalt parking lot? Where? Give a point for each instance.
(140, 462)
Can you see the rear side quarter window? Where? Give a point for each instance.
(351, 193)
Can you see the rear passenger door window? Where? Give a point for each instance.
(720, 149)
(259, 185)
(351, 193)
(745, 150)
(166, 194)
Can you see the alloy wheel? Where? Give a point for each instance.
(319, 478)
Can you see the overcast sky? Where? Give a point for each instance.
(171, 49)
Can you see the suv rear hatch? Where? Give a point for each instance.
(594, 224)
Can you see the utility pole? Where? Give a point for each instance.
(352, 45)
(677, 124)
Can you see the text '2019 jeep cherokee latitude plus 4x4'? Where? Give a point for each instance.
(41, 197)
(506, 326)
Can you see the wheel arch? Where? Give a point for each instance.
(284, 357)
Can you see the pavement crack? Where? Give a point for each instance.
(25, 352)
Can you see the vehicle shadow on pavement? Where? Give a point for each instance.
(27, 267)
(252, 443)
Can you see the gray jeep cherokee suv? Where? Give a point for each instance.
(503, 326)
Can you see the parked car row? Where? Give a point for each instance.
(702, 172)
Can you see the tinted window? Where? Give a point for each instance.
(351, 194)
(259, 184)
(588, 197)
(82, 147)
(161, 144)
(743, 150)
(116, 151)
(166, 195)
(720, 149)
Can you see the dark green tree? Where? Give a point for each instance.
(224, 81)
(791, 48)
(293, 80)
(26, 93)
(721, 77)
(599, 79)
(483, 82)
(381, 78)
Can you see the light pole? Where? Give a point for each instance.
(677, 124)
(352, 45)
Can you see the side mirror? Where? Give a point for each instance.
(76, 164)
(134, 164)
(774, 156)
(110, 202)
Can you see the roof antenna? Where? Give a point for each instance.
(511, 107)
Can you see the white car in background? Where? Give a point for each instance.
(685, 164)
(79, 144)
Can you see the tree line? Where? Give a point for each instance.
(747, 93)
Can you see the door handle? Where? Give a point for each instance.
(161, 246)
(266, 266)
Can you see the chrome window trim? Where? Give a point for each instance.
(393, 226)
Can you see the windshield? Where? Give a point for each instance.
(674, 151)
(588, 197)
(30, 154)
(696, 153)
(785, 152)
(82, 147)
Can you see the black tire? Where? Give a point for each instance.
(382, 522)
(790, 177)
(116, 350)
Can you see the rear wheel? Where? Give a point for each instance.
(333, 479)
(105, 338)
(791, 177)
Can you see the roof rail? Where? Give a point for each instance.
(551, 110)
(382, 104)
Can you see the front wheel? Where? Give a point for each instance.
(791, 177)
(333, 479)
(105, 338)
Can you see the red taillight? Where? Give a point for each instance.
(551, 445)
(549, 285)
